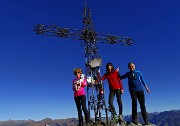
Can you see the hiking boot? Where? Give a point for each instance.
(147, 123)
(88, 124)
(115, 118)
(120, 118)
(135, 123)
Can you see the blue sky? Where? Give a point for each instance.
(36, 70)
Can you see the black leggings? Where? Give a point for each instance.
(111, 98)
(81, 105)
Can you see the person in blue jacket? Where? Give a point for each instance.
(136, 83)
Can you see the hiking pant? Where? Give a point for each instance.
(111, 98)
(140, 96)
(81, 105)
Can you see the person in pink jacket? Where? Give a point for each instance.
(79, 96)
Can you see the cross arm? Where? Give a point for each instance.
(59, 32)
(113, 39)
(85, 34)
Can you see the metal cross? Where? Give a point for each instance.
(93, 61)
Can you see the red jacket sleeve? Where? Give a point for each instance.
(120, 81)
(121, 86)
(104, 77)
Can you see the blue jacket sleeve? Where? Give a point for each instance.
(142, 79)
(124, 76)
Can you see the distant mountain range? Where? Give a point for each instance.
(166, 118)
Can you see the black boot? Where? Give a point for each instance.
(80, 122)
(147, 122)
(135, 121)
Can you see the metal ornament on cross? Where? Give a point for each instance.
(95, 91)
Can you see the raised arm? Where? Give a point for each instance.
(123, 76)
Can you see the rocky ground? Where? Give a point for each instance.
(128, 124)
